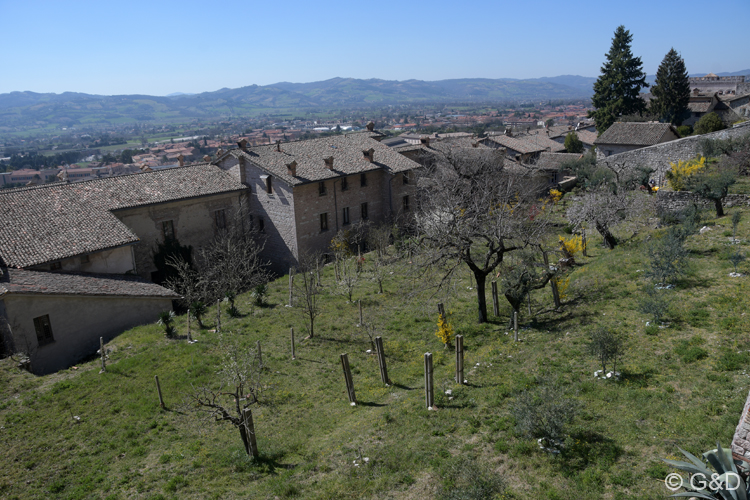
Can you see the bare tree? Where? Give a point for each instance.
(349, 277)
(229, 265)
(378, 239)
(472, 211)
(239, 388)
(522, 276)
(308, 290)
(605, 209)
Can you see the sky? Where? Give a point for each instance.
(159, 47)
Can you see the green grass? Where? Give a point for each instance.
(683, 385)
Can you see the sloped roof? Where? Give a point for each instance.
(22, 281)
(553, 161)
(48, 223)
(523, 146)
(347, 151)
(635, 133)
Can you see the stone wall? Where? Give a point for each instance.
(741, 441)
(677, 200)
(659, 157)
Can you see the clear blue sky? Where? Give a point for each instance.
(161, 46)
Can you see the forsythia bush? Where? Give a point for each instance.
(678, 173)
(571, 246)
(562, 286)
(445, 330)
(555, 195)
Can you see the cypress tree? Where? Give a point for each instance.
(617, 88)
(672, 90)
(573, 144)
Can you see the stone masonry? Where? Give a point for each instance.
(740, 442)
(660, 156)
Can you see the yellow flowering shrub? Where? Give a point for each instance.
(571, 246)
(555, 194)
(445, 330)
(679, 172)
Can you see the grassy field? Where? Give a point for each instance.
(80, 434)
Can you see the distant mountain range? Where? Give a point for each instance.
(30, 109)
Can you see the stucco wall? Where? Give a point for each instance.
(114, 261)
(659, 157)
(77, 323)
(193, 222)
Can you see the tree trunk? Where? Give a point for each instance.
(481, 299)
(609, 240)
(719, 207)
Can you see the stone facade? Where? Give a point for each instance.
(659, 156)
(677, 200)
(192, 221)
(741, 440)
(118, 260)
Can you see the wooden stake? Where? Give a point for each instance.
(361, 318)
(528, 295)
(292, 332)
(218, 315)
(101, 351)
(158, 390)
(188, 324)
(515, 326)
(553, 283)
(583, 241)
(460, 359)
(495, 300)
(291, 287)
(428, 385)
(348, 379)
(441, 310)
(260, 355)
(247, 421)
(381, 361)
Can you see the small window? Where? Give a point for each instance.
(323, 222)
(220, 219)
(346, 215)
(363, 180)
(405, 176)
(321, 188)
(406, 203)
(55, 266)
(85, 259)
(269, 185)
(43, 330)
(344, 184)
(167, 228)
(261, 225)
(363, 211)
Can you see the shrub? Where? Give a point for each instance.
(732, 360)
(690, 351)
(654, 303)
(679, 172)
(260, 294)
(571, 246)
(684, 130)
(607, 346)
(445, 330)
(465, 479)
(668, 256)
(709, 123)
(544, 412)
(652, 330)
(166, 321)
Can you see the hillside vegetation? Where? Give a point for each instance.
(80, 434)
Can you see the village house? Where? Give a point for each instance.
(627, 136)
(518, 149)
(65, 247)
(302, 193)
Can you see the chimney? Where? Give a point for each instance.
(207, 159)
(181, 159)
(547, 132)
(292, 168)
(369, 154)
(425, 141)
(329, 162)
(474, 144)
(243, 144)
(219, 152)
(370, 126)
(278, 146)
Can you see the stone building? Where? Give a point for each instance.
(302, 193)
(712, 83)
(627, 136)
(70, 253)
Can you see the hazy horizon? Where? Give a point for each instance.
(160, 48)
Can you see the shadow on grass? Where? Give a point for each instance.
(639, 380)
(585, 448)
(402, 386)
(300, 358)
(368, 403)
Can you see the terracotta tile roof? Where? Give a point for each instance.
(48, 223)
(22, 281)
(346, 150)
(635, 133)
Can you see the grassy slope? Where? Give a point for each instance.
(126, 447)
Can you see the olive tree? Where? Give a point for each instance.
(472, 211)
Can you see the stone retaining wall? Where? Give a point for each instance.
(659, 157)
(677, 200)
